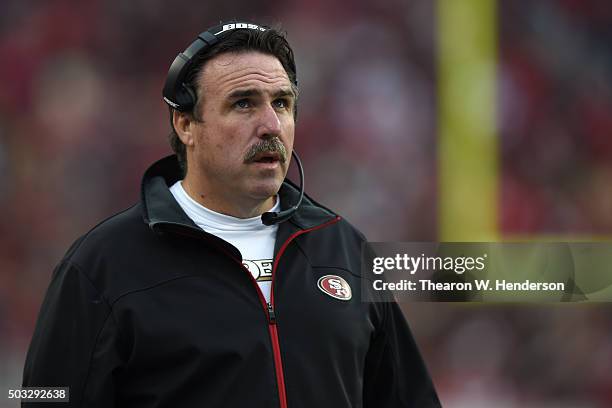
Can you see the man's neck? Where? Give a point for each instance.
(234, 206)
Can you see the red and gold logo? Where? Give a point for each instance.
(335, 287)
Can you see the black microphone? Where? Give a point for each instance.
(271, 217)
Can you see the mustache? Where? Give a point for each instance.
(273, 145)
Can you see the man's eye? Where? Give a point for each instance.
(280, 103)
(242, 104)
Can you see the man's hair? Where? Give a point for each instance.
(271, 41)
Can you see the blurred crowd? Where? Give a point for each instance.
(555, 81)
(81, 118)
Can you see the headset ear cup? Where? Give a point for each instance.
(186, 98)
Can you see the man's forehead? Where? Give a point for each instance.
(253, 70)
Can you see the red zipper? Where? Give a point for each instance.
(278, 362)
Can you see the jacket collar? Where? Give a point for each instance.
(160, 209)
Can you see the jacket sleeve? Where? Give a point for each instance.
(74, 343)
(395, 374)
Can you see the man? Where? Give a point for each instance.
(188, 299)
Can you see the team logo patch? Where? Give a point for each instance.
(335, 287)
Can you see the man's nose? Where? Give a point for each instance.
(269, 123)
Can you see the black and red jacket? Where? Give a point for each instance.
(148, 310)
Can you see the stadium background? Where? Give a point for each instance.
(419, 120)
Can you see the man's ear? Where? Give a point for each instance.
(183, 126)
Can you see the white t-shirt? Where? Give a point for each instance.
(254, 240)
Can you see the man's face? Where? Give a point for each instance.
(246, 107)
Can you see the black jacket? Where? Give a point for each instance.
(148, 310)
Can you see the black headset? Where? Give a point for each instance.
(180, 96)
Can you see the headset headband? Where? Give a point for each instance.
(176, 93)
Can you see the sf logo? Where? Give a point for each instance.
(335, 287)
